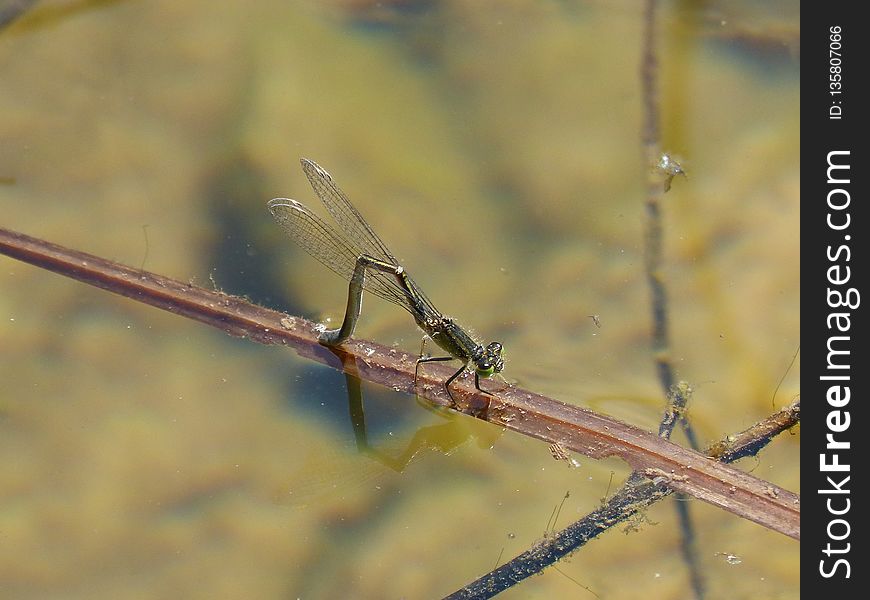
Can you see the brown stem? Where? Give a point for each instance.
(575, 428)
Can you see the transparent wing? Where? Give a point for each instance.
(339, 250)
(334, 250)
(349, 220)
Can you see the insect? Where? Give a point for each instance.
(355, 252)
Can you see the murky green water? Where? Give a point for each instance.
(495, 147)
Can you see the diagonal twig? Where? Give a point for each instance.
(523, 411)
(636, 495)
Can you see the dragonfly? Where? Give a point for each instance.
(356, 253)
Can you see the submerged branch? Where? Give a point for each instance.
(636, 495)
(651, 143)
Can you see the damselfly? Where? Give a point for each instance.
(355, 252)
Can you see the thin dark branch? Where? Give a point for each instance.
(575, 428)
(661, 345)
(653, 254)
(653, 259)
(634, 497)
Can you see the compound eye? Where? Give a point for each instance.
(485, 369)
(494, 347)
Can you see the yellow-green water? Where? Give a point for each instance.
(495, 147)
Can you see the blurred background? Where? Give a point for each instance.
(495, 146)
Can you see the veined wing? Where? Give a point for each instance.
(339, 249)
(349, 220)
(331, 248)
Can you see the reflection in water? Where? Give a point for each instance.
(353, 467)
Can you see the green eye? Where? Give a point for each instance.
(485, 370)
